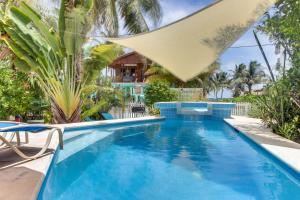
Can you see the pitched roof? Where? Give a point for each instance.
(128, 58)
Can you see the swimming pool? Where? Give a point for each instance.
(172, 159)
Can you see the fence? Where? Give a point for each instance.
(241, 109)
(189, 94)
(130, 110)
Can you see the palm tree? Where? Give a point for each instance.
(53, 52)
(132, 12)
(220, 80)
(224, 81)
(53, 57)
(205, 80)
(106, 14)
(237, 81)
(159, 73)
(253, 75)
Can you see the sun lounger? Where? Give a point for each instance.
(106, 115)
(10, 128)
(7, 136)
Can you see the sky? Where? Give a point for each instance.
(174, 10)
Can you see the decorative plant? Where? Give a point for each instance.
(100, 99)
(159, 91)
(277, 111)
(16, 92)
(53, 57)
(279, 108)
(289, 129)
(50, 44)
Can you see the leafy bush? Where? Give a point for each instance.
(289, 129)
(277, 111)
(16, 93)
(280, 107)
(154, 111)
(159, 91)
(249, 98)
(99, 99)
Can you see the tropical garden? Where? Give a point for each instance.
(279, 107)
(48, 55)
(53, 49)
(240, 80)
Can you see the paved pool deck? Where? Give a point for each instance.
(280, 147)
(23, 181)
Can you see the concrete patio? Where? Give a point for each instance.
(21, 180)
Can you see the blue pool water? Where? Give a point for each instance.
(168, 160)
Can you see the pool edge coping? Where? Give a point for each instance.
(269, 149)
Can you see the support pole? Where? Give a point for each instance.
(264, 55)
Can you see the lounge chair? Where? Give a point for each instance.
(7, 136)
(106, 115)
(16, 129)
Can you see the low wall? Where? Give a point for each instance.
(172, 110)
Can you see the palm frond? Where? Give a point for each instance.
(105, 14)
(131, 12)
(100, 57)
(152, 9)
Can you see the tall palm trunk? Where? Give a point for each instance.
(249, 88)
(222, 90)
(60, 118)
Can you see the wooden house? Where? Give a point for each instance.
(130, 67)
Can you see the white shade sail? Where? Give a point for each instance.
(189, 46)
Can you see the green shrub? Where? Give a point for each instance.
(159, 91)
(99, 99)
(154, 111)
(249, 98)
(277, 111)
(16, 93)
(289, 129)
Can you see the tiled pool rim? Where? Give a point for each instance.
(295, 173)
(196, 110)
(287, 169)
(134, 121)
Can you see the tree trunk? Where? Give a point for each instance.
(222, 90)
(250, 88)
(4, 52)
(60, 118)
